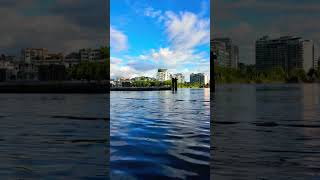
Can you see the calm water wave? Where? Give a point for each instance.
(160, 135)
(266, 132)
(45, 136)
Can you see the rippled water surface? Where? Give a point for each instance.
(45, 136)
(160, 135)
(266, 132)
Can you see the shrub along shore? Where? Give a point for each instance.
(156, 83)
(248, 74)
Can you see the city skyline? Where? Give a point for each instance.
(164, 42)
(20, 51)
(227, 53)
(170, 75)
(288, 52)
(245, 21)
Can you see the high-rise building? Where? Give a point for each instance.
(287, 52)
(222, 56)
(200, 78)
(31, 54)
(90, 54)
(316, 54)
(163, 75)
(206, 79)
(180, 77)
(226, 52)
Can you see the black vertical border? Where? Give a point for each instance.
(108, 89)
(212, 88)
(212, 81)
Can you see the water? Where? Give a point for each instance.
(47, 136)
(266, 132)
(160, 135)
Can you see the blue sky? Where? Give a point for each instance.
(149, 34)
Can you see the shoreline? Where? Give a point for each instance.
(302, 82)
(56, 87)
(69, 87)
(140, 89)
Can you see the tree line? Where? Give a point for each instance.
(249, 74)
(156, 83)
(92, 70)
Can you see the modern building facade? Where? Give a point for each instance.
(287, 52)
(32, 54)
(222, 56)
(226, 52)
(316, 55)
(200, 78)
(39, 64)
(90, 54)
(163, 75)
(180, 77)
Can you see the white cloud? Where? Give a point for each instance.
(172, 59)
(114, 60)
(186, 30)
(150, 12)
(121, 68)
(118, 69)
(118, 40)
(143, 57)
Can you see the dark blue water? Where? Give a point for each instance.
(45, 136)
(160, 135)
(266, 132)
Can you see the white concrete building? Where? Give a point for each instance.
(287, 52)
(90, 54)
(200, 78)
(307, 55)
(206, 79)
(31, 54)
(316, 54)
(163, 75)
(180, 77)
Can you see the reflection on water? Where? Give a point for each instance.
(47, 136)
(160, 135)
(266, 132)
